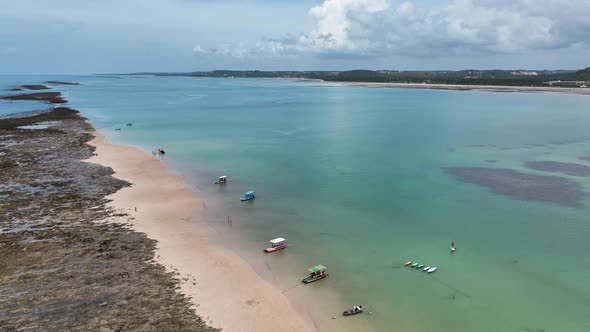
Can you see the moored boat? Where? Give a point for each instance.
(248, 195)
(276, 244)
(353, 311)
(222, 179)
(316, 273)
(432, 269)
(408, 263)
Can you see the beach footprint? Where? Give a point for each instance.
(252, 302)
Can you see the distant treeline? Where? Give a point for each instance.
(474, 77)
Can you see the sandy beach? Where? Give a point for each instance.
(224, 289)
(459, 87)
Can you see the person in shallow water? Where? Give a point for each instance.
(453, 246)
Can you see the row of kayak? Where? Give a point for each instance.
(422, 267)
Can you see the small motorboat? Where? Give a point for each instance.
(353, 311)
(222, 179)
(248, 195)
(426, 268)
(408, 263)
(317, 272)
(432, 269)
(276, 244)
(419, 266)
(414, 265)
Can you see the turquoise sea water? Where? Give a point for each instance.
(354, 179)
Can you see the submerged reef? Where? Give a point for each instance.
(523, 186)
(559, 167)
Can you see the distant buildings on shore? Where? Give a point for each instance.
(573, 84)
(524, 73)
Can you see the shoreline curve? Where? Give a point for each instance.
(212, 276)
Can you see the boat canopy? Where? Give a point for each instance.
(277, 240)
(317, 268)
(249, 193)
(223, 177)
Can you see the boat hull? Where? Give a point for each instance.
(243, 199)
(351, 312)
(273, 249)
(309, 279)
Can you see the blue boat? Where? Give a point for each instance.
(355, 310)
(248, 195)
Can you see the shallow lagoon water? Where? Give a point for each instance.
(355, 179)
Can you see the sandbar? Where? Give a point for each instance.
(462, 87)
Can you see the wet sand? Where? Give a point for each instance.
(225, 289)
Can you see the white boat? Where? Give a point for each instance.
(276, 244)
(426, 268)
(222, 179)
(431, 269)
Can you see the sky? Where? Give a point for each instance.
(122, 36)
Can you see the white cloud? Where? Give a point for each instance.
(334, 23)
(381, 28)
